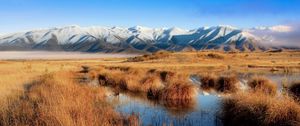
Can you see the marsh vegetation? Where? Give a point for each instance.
(187, 88)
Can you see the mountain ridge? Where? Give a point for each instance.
(133, 39)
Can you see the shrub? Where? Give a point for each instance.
(262, 84)
(258, 109)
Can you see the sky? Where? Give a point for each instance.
(21, 15)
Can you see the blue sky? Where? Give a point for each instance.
(20, 15)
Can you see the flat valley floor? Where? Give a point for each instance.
(20, 69)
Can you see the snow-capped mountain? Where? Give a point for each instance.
(134, 39)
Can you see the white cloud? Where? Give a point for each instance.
(281, 28)
(280, 35)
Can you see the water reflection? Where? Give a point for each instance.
(200, 111)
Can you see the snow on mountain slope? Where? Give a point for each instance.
(138, 38)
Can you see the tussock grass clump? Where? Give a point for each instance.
(170, 77)
(258, 109)
(151, 71)
(227, 84)
(166, 75)
(224, 84)
(118, 68)
(134, 80)
(85, 69)
(178, 91)
(156, 55)
(56, 99)
(152, 85)
(157, 85)
(208, 81)
(215, 56)
(136, 72)
(262, 84)
(119, 80)
(132, 83)
(93, 75)
(151, 82)
(113, 78)
(294, 89)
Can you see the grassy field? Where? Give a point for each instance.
(218, 61)
(150, 70)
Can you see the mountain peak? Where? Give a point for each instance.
(227, 27)
(139, 28)
(139, 38)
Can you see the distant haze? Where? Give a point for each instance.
(45, 55)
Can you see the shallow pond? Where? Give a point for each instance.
(201, 112)
(277, 78)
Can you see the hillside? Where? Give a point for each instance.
(134, 39)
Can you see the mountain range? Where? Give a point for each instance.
(134, 39)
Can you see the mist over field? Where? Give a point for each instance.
(30, 55)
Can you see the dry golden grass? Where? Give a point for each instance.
(154, 73)
(164, 85)
(223, 84)
(253, 109)
(262, 84)
(208, 81)
(55, 99)
(146, 57)
(212, 61)
(215, 55)
(227, 84)
(151, 82)
(15, 74)
(178, 91)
